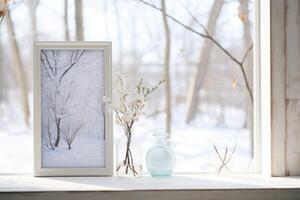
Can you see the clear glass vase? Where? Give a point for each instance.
(129, 157)
(161, 158)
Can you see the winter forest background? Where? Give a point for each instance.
(72, 108)
(207, 100)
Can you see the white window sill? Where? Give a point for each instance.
(176, 187)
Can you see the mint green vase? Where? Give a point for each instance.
(160, 159)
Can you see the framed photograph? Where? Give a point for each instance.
(72, 125)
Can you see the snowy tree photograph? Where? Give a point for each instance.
(72, 115)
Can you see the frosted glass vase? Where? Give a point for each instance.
(160, 159)
(129, 157)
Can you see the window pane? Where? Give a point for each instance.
(211, 82)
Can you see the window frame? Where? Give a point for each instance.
(261, 96)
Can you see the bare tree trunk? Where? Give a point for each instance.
(79, 20)
(32, 5)
(49, 136)
(106, 20)
(120, 39)
(2, 77)
(66, 20)
(57, 79)
(167, 68)
(133, 70)
(197, 80)
(18, 69)
(244, 16)
(57, 132)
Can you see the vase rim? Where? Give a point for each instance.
(160, 132)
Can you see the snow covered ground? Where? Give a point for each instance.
(16, 151)
(193, 143)
(79, 156)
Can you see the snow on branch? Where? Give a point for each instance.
(74, 59)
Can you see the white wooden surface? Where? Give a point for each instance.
(263, 108)
(293, 138)
(293, 87)
(293, 49)
(285, 87)
(278, 125)
(177, 187)
(22, 183)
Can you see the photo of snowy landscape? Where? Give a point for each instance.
(72, 115)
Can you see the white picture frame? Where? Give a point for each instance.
(61, 162)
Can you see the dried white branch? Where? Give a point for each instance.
(224, 159)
